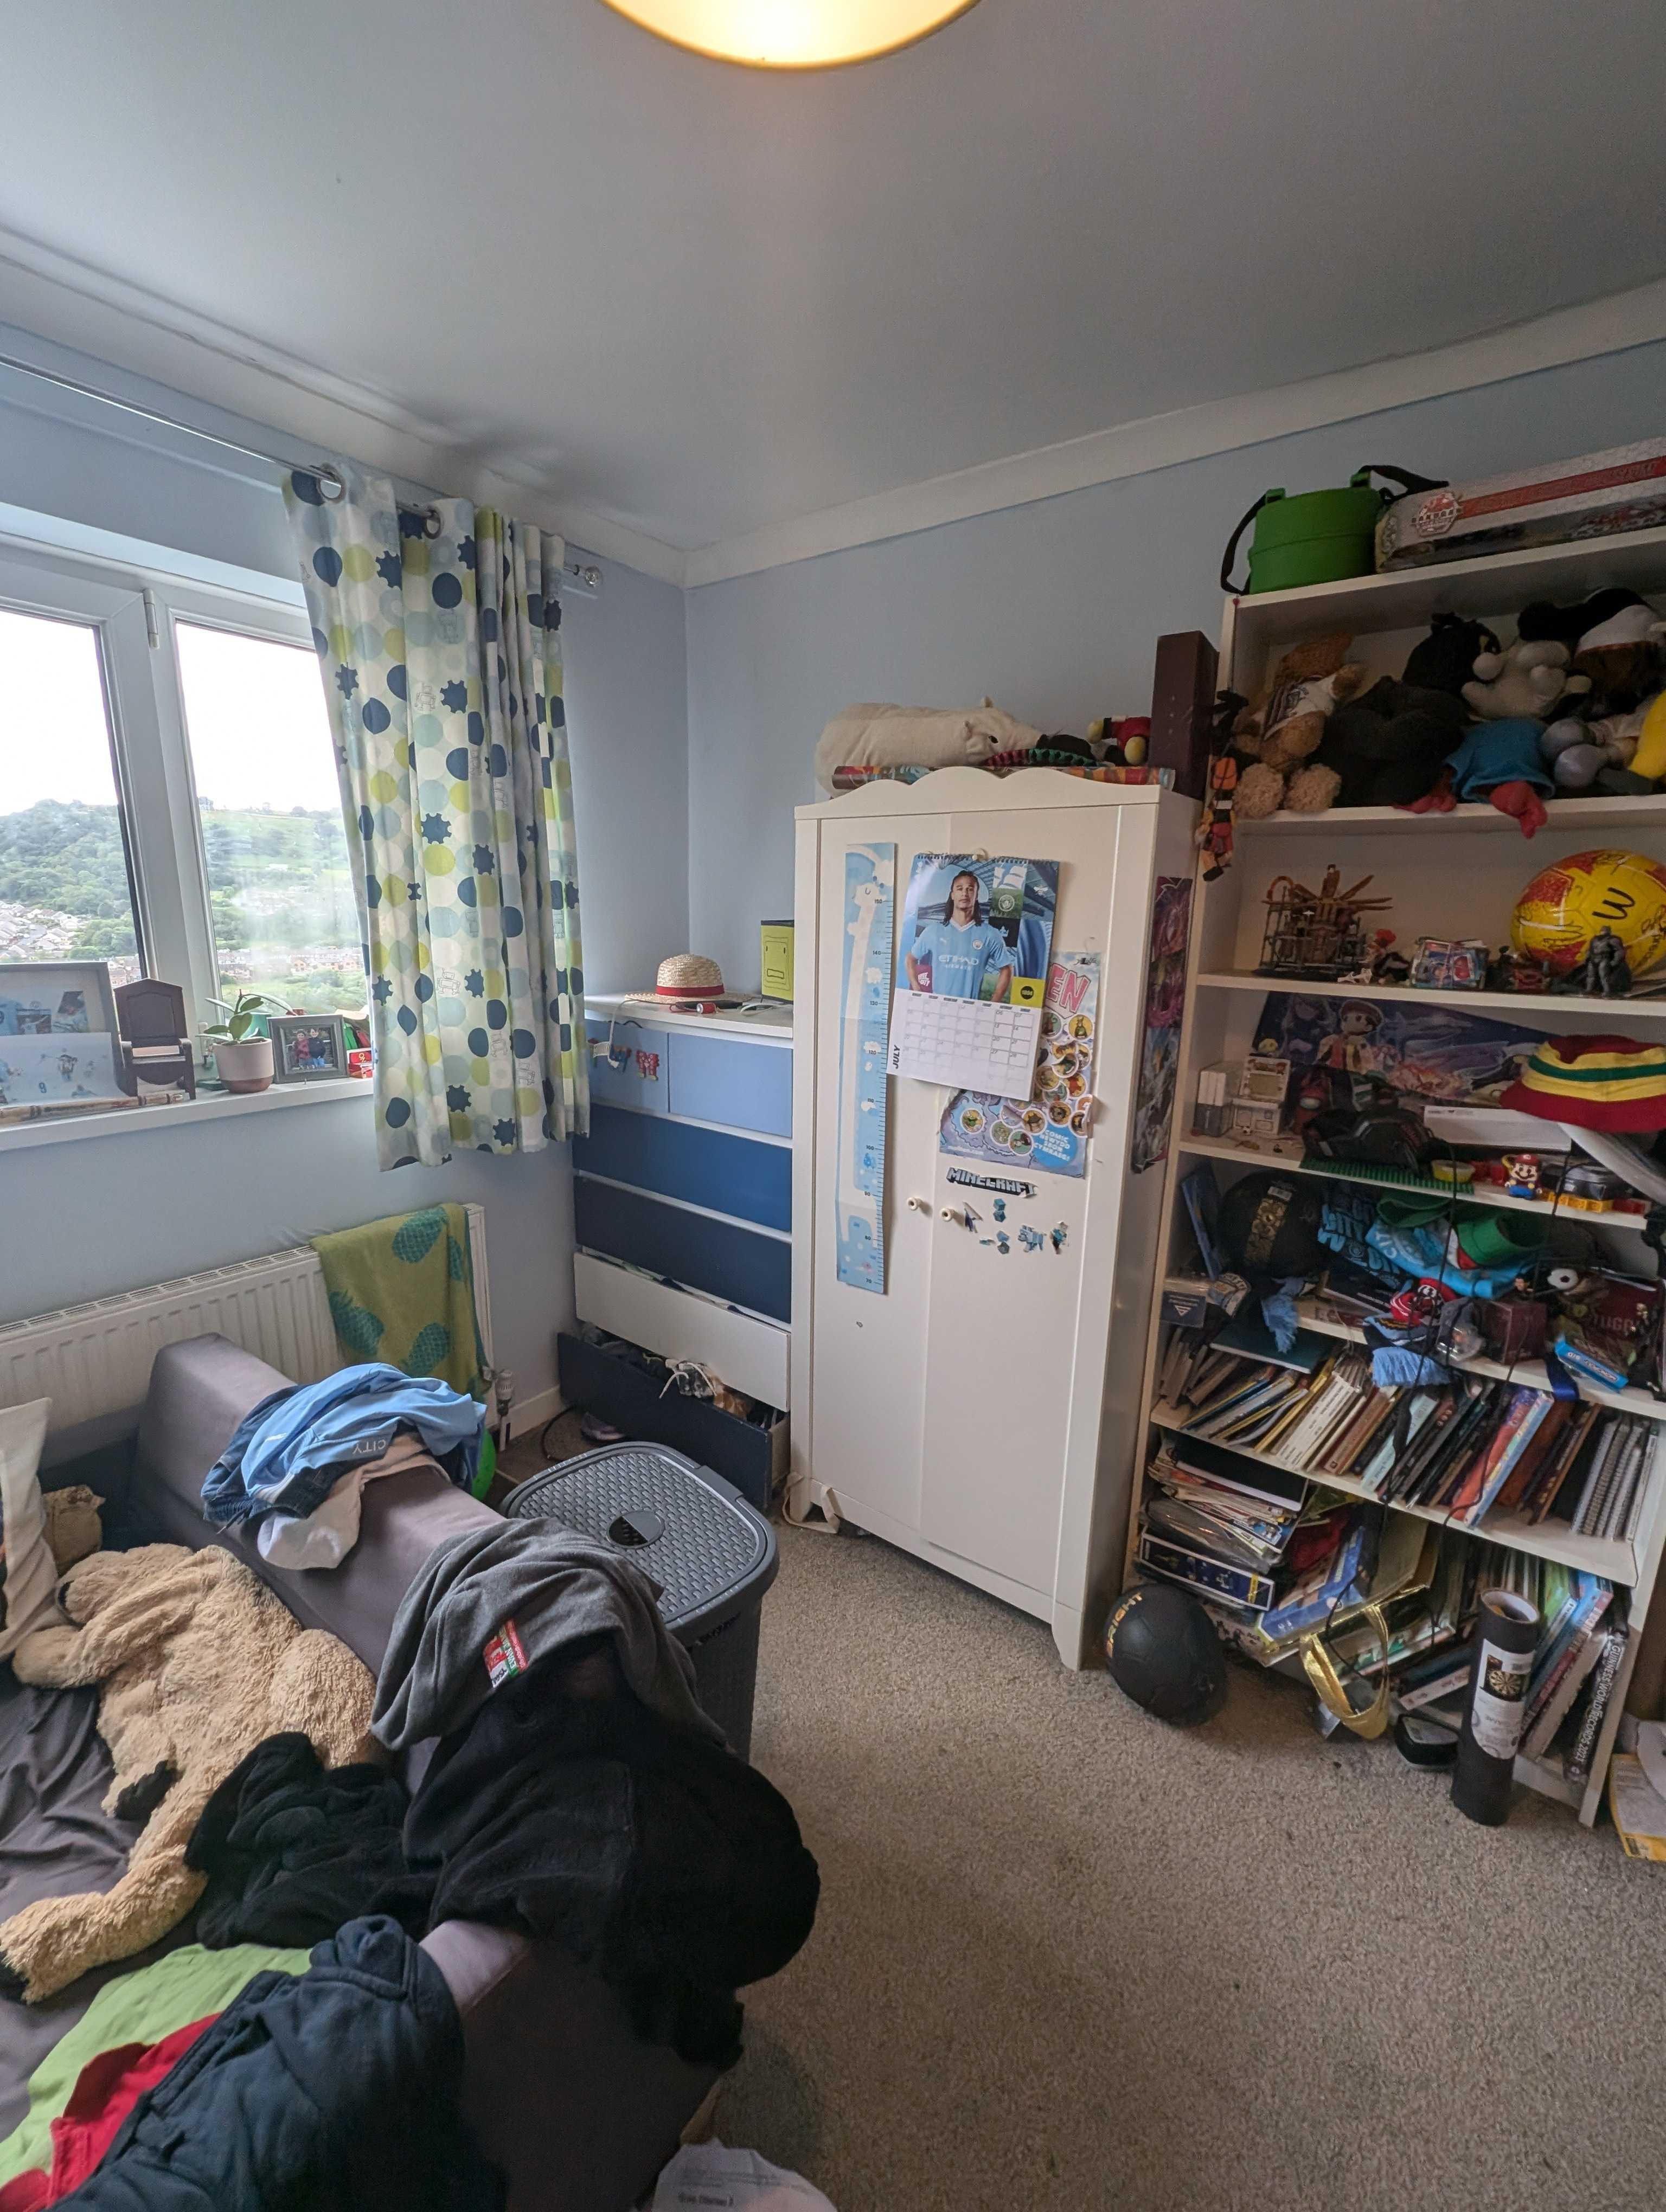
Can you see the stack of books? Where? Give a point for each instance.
(1460, 1451)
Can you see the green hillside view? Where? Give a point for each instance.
(279, 886)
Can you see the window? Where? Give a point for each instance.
(280, 885)
(168, 798)
(66, 887)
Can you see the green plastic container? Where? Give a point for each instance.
(1316, 536)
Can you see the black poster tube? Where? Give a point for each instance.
(1506, 1637)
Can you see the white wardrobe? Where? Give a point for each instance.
(983, 1412)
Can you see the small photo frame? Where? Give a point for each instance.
(308, 1048)
(56, 998)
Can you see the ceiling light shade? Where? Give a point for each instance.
(792, 33)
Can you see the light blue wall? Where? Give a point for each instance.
(111, 1213)
(1053, 609)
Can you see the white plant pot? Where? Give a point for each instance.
(245, 1067)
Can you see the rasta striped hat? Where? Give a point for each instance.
(1596, 1083)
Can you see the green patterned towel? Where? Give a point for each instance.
(402, 1290)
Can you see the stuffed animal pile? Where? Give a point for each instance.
(198, 1662)
(1575, 702)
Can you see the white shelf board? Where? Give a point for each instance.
(1465, 1002)
(1496, 586)
(1610, 817)
(1218, 1148)
(207, 1106)
(1609, 1556)
(1530, 1373)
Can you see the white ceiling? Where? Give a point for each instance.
(702, 301)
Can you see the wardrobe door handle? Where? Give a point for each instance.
(949, 1213)
(920, 1205)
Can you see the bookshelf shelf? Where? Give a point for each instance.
(1591, 815)
(1526, 1004)
(1545, 1540)
(1293, 1163)
(1435, 888)
(1529, 1372)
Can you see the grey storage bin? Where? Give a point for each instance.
(712, 1555)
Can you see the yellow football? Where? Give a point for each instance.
(1565, 905)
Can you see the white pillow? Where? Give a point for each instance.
(30, 1596)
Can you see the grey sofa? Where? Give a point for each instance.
(578, 2113)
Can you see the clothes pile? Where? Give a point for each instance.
(256, 2108)
(579, 1790)
(299, 1460)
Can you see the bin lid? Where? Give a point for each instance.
(682, 1525)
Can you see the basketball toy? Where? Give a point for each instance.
(1164, 1654)
(1565, 905)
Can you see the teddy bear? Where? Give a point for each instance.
(877, 736)
(1279, 733)
(198, 1662)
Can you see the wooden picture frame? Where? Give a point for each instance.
(308, 1048)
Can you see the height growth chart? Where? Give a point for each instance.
(870, 885)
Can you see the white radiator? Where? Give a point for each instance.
(95, 1358)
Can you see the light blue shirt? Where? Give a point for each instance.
(960, 957)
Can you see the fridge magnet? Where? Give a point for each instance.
(870, 878)
(1165, 999)
(1004, 1184)
(972, 953)
(1426, 1049)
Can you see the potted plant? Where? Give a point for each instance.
(242, 1054)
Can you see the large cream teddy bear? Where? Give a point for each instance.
(917, 736)
(199, 1662)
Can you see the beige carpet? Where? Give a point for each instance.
(1069, 1958)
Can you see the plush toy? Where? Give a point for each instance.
(1528, 680)
(1501, 758)
(1386, 747)
(1445, 660)
(1121, 740)
(198, 1662)
(902, 736)
(1615, 639)
(1596, 755)
(1281, 731)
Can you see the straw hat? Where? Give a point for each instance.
(1594, 1082)
(689, 977)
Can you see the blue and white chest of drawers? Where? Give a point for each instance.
(683, 1190)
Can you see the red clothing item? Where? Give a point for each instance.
(106, 2089)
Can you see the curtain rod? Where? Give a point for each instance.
(587, 577)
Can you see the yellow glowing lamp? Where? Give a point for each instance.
(792, 33)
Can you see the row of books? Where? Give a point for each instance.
(1582, 1645)
(1274, 1557)
(1460, 1452)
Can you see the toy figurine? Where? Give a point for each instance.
(1214, 834)
(1517, 971)
(1522, 1175)
(1604, 973)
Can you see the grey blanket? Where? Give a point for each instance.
(553, 1588)
(54, 1839)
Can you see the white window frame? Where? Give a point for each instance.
(135, 613)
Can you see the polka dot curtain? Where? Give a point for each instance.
(441, 660)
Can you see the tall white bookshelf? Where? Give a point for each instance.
(1455, 875)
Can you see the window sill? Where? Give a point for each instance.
(129, 1121)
